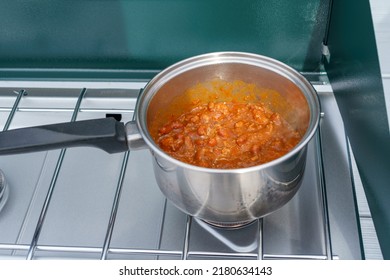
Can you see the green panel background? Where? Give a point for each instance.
(137, 36)
(356, 81)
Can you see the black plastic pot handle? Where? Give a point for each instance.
(106, 134)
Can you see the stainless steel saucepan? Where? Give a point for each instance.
(224, 197)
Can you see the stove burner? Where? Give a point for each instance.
(3, 190)
(228, 225)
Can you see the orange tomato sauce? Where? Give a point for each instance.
(227, 134)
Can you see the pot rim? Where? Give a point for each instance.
(227, 57)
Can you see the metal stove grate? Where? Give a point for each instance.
(131, 226)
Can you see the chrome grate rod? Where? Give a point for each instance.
(53, 182)
(115, 206)
(323, 199)
(14, 108)
(186, 244)
(260, 251)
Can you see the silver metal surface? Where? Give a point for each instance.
(13, 110)
(230, 197)
(338, 180)
(119, 212)
(53, 182)
(4, 192)
(134, 138)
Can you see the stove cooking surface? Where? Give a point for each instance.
(84, 203)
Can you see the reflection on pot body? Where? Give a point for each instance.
(230, 199)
